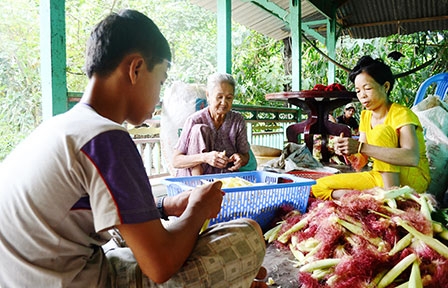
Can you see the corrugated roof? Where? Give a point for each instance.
(357, 18)
(253, 17)
(380, 18)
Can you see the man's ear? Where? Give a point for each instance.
(135, 67)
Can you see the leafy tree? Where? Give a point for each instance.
(258, 63)
(417, 49)
(190, 30)
(20, 109)
(258, 68)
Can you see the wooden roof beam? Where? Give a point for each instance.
(424, 19)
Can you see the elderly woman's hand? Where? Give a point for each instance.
(217, 159)
(237, 160)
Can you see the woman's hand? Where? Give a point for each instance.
(238, 162)
(345, 146)
(216, 159)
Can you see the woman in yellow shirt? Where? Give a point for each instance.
(390, 134)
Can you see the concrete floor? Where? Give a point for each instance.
(158, 188)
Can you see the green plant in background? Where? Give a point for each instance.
(20, 109)
(258, 68)
(416, 49)
(314, 66)
(190, 30)
(258, 64)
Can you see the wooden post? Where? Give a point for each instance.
(296, 44)
(224, 23)
(331, 48)
(53, 57)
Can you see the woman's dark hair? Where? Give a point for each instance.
(122, 33)
(376, 68)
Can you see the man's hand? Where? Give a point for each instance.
(209, 193)
(175, 205)
(208, 197)
(161, 251)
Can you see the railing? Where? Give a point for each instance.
(274, 139)
(266, 126)
(152, 157)
(150, 151)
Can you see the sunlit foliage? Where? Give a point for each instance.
(258, 64)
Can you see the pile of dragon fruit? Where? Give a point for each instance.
(371, 238)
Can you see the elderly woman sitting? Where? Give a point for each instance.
(214, 139)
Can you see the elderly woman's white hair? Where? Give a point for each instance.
(218, 78)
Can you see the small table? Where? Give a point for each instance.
(317, 104)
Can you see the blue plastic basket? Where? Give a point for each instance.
(258, 202)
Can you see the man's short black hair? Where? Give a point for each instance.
(120, 34)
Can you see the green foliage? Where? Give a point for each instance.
(258, 68)
(314, 66)
(20, 109)
(417, 49)
(258, 64)
(190, 30)
(193, 42)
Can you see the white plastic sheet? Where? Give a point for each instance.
(433, 115)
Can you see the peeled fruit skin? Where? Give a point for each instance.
(357, 161)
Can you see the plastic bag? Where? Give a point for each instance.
(433, 115)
